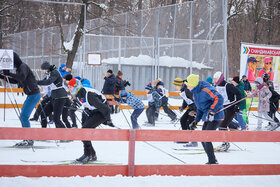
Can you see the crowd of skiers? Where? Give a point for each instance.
(218, 103)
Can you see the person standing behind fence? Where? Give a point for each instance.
(109, 85)
(120, 85)
(208, 102)
(58, 94)
(26, 78)
(247, 85)
(133, 102)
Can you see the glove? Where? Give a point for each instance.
(192, 113)
(236, 109)
(193, 125)
(181, 109)
(210, 116)
(6, 72)
(128, 83)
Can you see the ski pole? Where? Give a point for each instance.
(13, 94)
(159, 148)
(240, 100)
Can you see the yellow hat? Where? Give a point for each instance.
(178, 82)
(192, 80)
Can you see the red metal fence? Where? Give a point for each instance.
(136, 135)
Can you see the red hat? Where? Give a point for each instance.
(267, 60)
(72, 83)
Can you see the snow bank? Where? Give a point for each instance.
(144, 60)
(151, 181)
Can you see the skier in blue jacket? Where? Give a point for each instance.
(208, 102)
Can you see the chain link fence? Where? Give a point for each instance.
(166, 42)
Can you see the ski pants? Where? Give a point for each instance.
(186, 120)
(55, 106)
(229, 115)
(40, 109)
(27, 108)
(68, 112)
(239, 118)
(208, 146)
(273, 108)
(150, 112)
(136, 113)
(92, 121)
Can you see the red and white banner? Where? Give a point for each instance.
(267, 60)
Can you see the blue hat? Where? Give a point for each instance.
(123, 93)
(62, 66)
(252, 59)
(77, 77)
(209, 79)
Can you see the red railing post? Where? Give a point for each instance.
(131, 152)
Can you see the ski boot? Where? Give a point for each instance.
(174, 120)
(223, 148)
(191, 144)
(273, 127)
(33, 119)
(86, 158)
(209, 163)
(147, 124)
(25, 143)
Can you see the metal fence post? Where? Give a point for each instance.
(120, 52)
(191, 36)
(225, 55)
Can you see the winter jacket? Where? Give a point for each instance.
(232, 93)
(187, 96)
(62, 71)
(154, 98)
(55, 81)
(264, 96)
(206, 98)
(162, 92)
(96, 101)
(120, 84)
(240, 87)
(132, 101)
(247, 86)
(23, 76)
(109, 85)
(274, 100)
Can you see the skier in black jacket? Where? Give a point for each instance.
(58, 95)
(26, 78)
(97, 110)
(230, 94)
(188, 117)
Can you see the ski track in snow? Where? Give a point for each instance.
(117, 152)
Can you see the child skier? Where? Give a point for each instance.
(263, 106)
(133, 102)
(154, 102)
(208, 102)
(98, 112)
(189, 116)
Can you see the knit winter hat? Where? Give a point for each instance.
(45, 66)
(72, 82)
(110, 71)
(220, 76)
(148, 87)
(76, 84)
(209, 79)
(178, 82)
(123, 93)
(68, 77)
(192, 80)
(236, 79)
(259, 80)
(62, 66)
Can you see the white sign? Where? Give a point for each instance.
(94, 59)
(6, 59)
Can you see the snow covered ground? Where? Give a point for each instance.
(117, 152)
